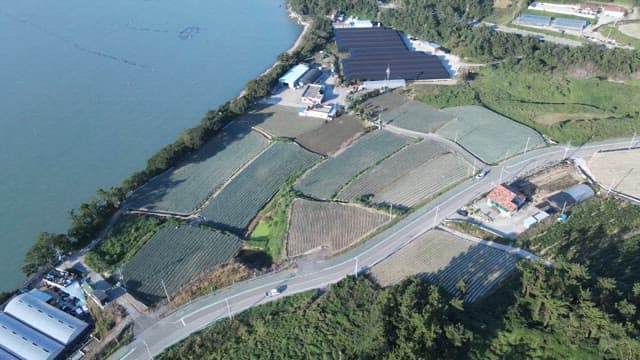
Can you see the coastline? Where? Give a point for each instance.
(305, 28)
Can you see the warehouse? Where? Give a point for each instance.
(571, 196)
(569, 24)
(292, 77)
(381, 54)
(533, 20)
(310, 77)
(26, 343)
(45, 318)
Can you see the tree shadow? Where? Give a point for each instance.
(254, 259)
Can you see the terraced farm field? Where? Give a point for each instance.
(417, 116)
(328, 225)
(618, 169)
(176, 255)
(426, 180)
(392, 169)
(241, 200)
(282, 121)
(387, 101)
(185, 187)
(324, 181)
(445, 259)
(490, 136)
(332, 136)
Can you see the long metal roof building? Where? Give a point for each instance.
(5, 355)
(45, 318)
(24, 342)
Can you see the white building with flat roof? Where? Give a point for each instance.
(45, 318)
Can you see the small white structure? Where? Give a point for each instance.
(381, 84)
(292, 76)
(45, 318)
(534, 219)
(313, 94)
(326, 112)
(613, 11)
(23, 342)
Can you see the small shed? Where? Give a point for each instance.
(571, 196)
(291, 77)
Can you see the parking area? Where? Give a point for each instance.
(506, 226)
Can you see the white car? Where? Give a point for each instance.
(272, 292)
(482, 173)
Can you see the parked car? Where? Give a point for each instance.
(482, 173)
(276, 291)
(462, 212)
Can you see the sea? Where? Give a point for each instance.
(89, 90)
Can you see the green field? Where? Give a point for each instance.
(243, 198)
(564, 108)
(183, 188)
(622, 38)
(176, 256)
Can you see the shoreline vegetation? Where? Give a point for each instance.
(88, 221)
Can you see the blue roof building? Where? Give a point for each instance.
(569, 24)
(534, 20)
(292, 76)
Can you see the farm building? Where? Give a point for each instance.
(569, 24)
(533, 20)
(310, 77)
(505, 199)
(292, 77)
(45, 318)
(381, 54)
(326, 112)
(23, 342)
(571, 196)
(313, 94)
(613, 11)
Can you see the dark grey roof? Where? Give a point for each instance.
(571, 196)
(373, 50)
(561, 200)
(310, 77)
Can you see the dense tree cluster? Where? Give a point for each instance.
(363, 8)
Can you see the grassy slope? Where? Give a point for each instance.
(615, 34)
(523, 97)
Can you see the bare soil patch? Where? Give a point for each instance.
(549, 181)
(632, 29)
(619, 170)
(554, 118)
(333, 135)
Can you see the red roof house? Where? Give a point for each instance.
(505, 199)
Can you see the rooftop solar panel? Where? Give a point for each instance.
(373, 50)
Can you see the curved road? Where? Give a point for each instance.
(153, 339)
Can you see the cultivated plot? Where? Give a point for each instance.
(241, 200)
(174, 257)
(331, 226)
(332, 136)
(324, 181)
(445, 259)
(490, 136)
(619, 170)
(425, 181)
(385, 102)
(282, 121)
(417, 116)
(183, 188)
(392, 169)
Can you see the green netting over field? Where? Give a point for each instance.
(417, 116)
(445, 259)
(392, 169)
(490, 136)
(282, 121)
(176, 255)
(425, 181)
(325, 180)
(185, 187)
(241, 200)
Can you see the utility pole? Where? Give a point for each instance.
(390, 210)
(526, 147)
(148, 351)
(435, 218)
(566, 150)
(356, 269)
(166, 293)
(613, 182)
(633, 139)
(501, 174)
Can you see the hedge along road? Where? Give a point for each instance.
(229, 301)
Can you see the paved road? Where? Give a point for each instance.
(312, 275)
(543, 37)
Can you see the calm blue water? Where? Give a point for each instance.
(90, 89)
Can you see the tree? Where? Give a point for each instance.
(239, 105)
(48, 249)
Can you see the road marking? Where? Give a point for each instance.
(127, 354)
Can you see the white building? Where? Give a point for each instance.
(613, 11)
(45, 318)
(292, 76)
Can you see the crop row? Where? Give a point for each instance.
(188, 185)
(426, 180)
(241, 200)
(445, 259)
(283, 121)
(417, 116)
(324, 181)
(490, 136)
(176, 256)
(328, 225)
(392, 169)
